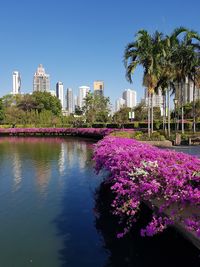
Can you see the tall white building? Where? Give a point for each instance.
(75, 101)
(119, 103)
(130, 98)
(185, 93)
(16, 83)
(157, 99)
(69, 101)
(60, 93)
(83, 91)
(41, 80)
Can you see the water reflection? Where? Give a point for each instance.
(17, 171)
(166, 249)
(62, 160)
(47, 210)
(46, 196)
(43, 175)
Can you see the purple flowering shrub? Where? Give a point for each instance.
(167, 181)
(93, 132)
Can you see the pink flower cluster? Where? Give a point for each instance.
(91, 132)
(167, 181)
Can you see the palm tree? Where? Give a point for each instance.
(186, 60)
(167, 75)
(145, 51)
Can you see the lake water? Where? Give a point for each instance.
(49, 194)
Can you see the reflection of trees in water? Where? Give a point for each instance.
(167, 249)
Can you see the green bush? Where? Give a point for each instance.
(129, 125)
(157, 125)
(112, 125)
(136, 124)
(143, 125)
(124, 134)
(98, 125)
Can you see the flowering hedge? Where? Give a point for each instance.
(166, 180)
(91, 132)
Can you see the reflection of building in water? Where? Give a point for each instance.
(17, 171)
(82, 147)
(62, 159)
(70, 146)
(43, 174)
(71, 154)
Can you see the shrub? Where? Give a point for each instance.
(164, 179)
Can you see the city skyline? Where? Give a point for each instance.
(41, 82)
(100, 55)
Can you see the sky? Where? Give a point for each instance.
(80, 41)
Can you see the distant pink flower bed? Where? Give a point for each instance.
(168, 181)
(71, 131)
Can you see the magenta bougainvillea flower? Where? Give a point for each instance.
(166, 180)
(99, 132)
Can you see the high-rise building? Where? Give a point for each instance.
(52, 92)
(157, 98)
(130, 98)
(69, 101)
(120, 103)
(60, 93)
(16, 83)
(83, 91)
(41, 81)
(184, 92)
(75, 101)
(98, 88)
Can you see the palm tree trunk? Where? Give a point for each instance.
(168, 110)
(149, 124)
(182, 110)
(194, 108)
(151, 112)
(178, 106)
(164, 112)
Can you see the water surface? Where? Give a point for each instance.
(49, 198)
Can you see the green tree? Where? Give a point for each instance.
(186, 62)
(141, 112)
(45, 101)
(2, 113)
(96, 108)
(78, 110)
(146, 51)
(122, 116)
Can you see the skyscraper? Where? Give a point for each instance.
(41, 81)
(16, 82)
(83, 91)
(98, 88)
(184, 92)
(60, 93)
(157, 99)
(120, 103)
(130, 98)
(69, 101)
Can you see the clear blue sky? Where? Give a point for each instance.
(81, 41)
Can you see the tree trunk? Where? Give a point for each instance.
(149, 125)
(182, 110)
(194, 108)
(164, 112)
(178, 106)
(151, 112)
(168, 111)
